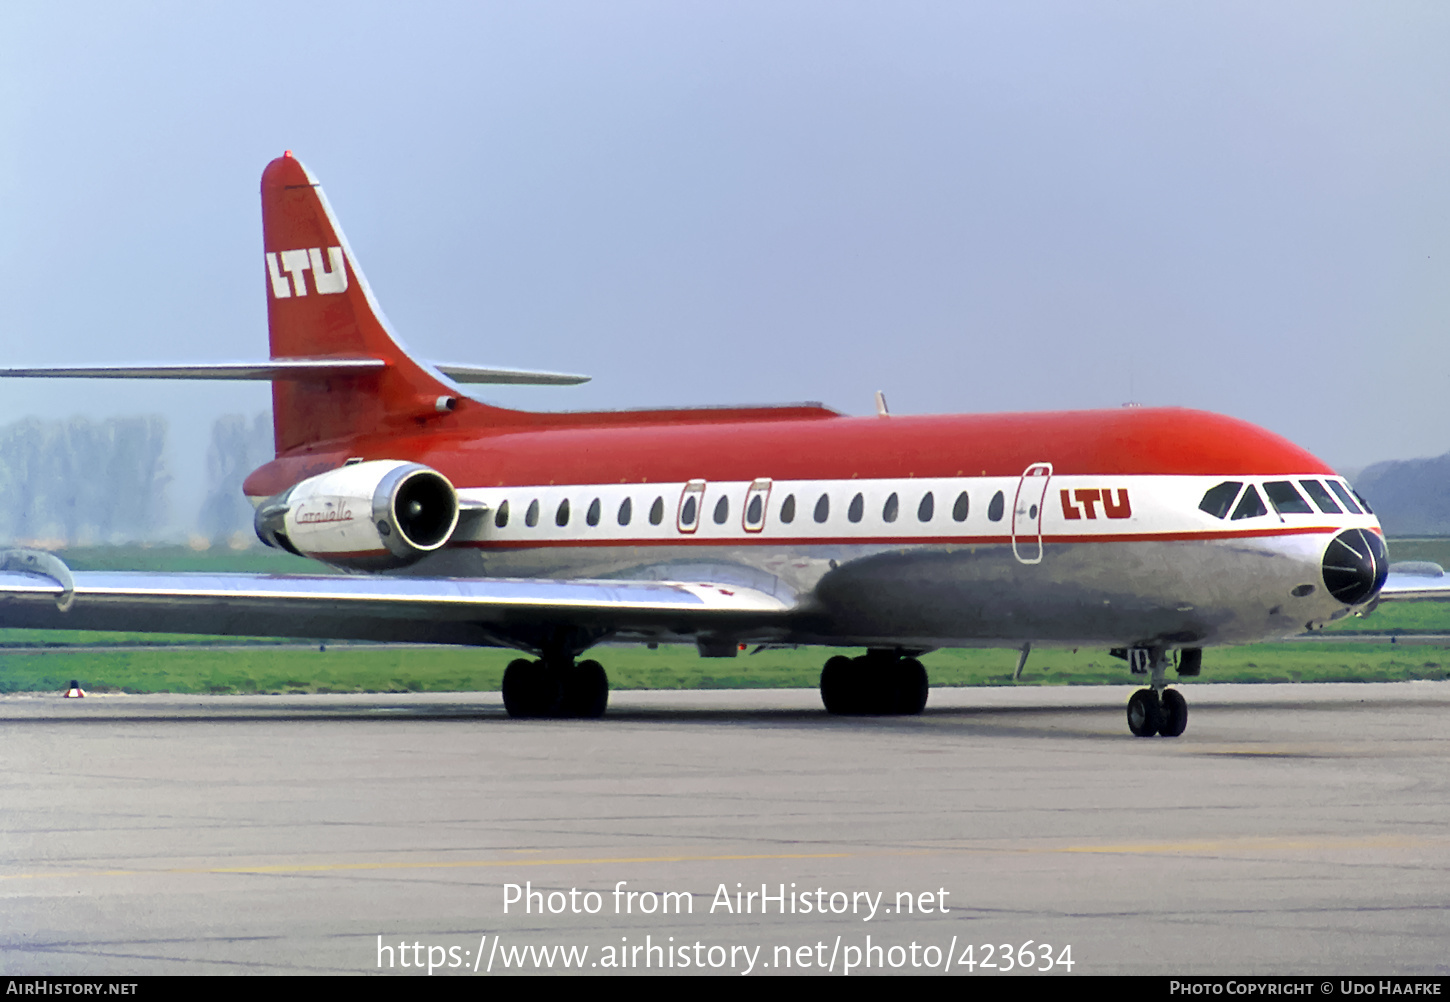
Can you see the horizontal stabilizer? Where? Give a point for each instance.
(521, 377)
(290, 369)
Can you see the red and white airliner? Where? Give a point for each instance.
(1155, 532)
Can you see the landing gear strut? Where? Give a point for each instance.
(880, 683)
(1158, 710)
(555, 687)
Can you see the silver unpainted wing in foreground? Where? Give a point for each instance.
(476, 611)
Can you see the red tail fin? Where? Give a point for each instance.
(319, 306)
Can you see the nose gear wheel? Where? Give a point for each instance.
(1150, 714)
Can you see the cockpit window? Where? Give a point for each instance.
(1218, 500)
(1250, 505)
(1320, 496)
(1342, 492)
(1285, 499)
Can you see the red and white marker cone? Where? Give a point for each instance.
(75, 691)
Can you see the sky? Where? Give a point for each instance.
(1239, 207)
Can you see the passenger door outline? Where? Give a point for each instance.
(759, 488)
(694, 491)
(1028, 511)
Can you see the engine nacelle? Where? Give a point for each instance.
(368, 516)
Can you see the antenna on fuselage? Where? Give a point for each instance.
(881, 410)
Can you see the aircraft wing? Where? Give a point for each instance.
(43, 594)
(1415, 579)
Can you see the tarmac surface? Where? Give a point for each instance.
(1294, 829)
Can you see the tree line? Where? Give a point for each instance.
(84, 482)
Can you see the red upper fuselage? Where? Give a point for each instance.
(478, 446)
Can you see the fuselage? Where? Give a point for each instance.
(1136, 527)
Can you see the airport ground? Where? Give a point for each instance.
(1296, 828)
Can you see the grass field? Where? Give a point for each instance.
(29, 662)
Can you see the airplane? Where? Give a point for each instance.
(1152, 532)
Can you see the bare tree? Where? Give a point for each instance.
(237, 447)
(83, 481)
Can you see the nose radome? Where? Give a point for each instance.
(1355, 564)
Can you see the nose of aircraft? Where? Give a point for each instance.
(1355, 564)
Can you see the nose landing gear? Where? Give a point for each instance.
(1159, 710)
(1150, 714)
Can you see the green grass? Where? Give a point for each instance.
(218, 559)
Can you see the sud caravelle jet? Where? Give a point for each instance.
(1154, 532)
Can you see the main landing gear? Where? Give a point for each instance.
(881, 682)
(1160, 710)
(555, 687)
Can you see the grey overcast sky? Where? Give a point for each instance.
(1242, 207)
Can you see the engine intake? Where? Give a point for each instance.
(368, 516)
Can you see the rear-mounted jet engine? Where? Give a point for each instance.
(367, 516)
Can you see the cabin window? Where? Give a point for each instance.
(1217, 500)
(689, 511)
(857, 509)
(722, 510)
(561, 517)
(1250, 505)
(959, 509)
(531, 517)
(1342, 492)
(755, 511)
(592, 515)
(626, 511)
(1320, 496)
(787, 509)
(657, 511)
(823, 508)
(927, 508)
(996, 507)
(501, 517)
(1285, 499)
(892, 507)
